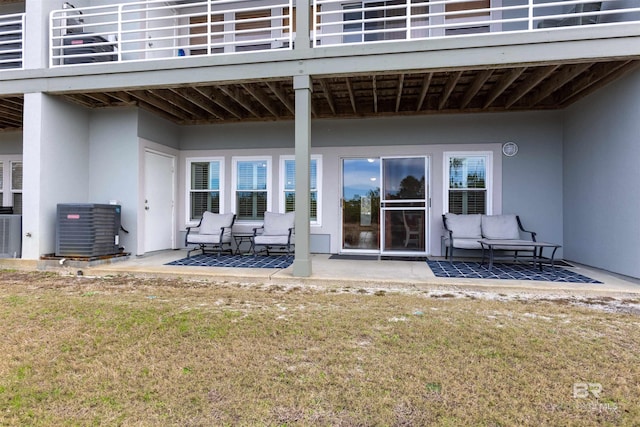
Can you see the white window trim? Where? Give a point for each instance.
(187, 202)
(234, 182)
(281, 204)
(7, 190)
(488, 155)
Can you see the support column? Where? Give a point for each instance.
(303, 87)
(55, 167)
(31, 185)
(303, 27)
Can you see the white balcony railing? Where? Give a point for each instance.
(342, 22)
(157, 29)
(11, 40)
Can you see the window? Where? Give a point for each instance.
(468, 183)
(205, 187)
(198, 41)
(11, 183)
(252, 186)
(477, 12)
(375, 20)
(255, 28)
(288, 186)
(16, 186)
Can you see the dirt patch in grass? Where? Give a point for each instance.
(128, 351)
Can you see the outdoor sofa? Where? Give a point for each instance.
(466, 231)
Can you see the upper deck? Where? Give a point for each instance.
(156, 29)
(365, 57)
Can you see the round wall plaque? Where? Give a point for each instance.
(510, 149)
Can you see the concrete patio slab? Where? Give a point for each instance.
(342, 273)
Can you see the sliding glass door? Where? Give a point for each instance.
(361, 205)
(384, 205)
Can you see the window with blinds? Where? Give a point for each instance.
(252, 189)
(371, 16)
(205, 188)
(198, 31)
(467, 184)
(253, 26)
(289, 187)
(16, 186)
(476, 10)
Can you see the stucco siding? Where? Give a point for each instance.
(56, 167)
(601, 174)
(114, 165)
(529, 184)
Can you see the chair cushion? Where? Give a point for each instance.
(276, 224)
(500, 227)
(464, 226)
(271, 240)
(212, 223)
(211, 239)
(464, 243)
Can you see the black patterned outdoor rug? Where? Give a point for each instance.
(474, 270)
(236, 261)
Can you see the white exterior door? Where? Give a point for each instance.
(159, 173)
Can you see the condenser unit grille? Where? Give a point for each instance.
(10, 236)
(87, 230)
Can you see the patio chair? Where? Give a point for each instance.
(277, 232)
(213, 232)
(575, 20)
(412, 228)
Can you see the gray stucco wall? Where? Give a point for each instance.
(11, 143)
(156, 129)
(113, 161)
(601, 176)
(56, 166)
(530, 185)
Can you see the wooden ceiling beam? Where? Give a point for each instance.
(328, 96)
(240, 98)
(399, 95)
(601, 75)
(9, 114)
(498, 89)
(152, 102)
(159, 111)
(80, 99)
(452, 81)
(426, 82)
(123, 97)
(374, 87)
(282, 96)
(262, 98)
(218, 97)
(352, 96)
(529, 83)
(557, 81)
(175, 98)
(474, 88)
(195, 96)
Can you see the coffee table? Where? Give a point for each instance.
(512, 245)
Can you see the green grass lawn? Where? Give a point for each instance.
(126, 351)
